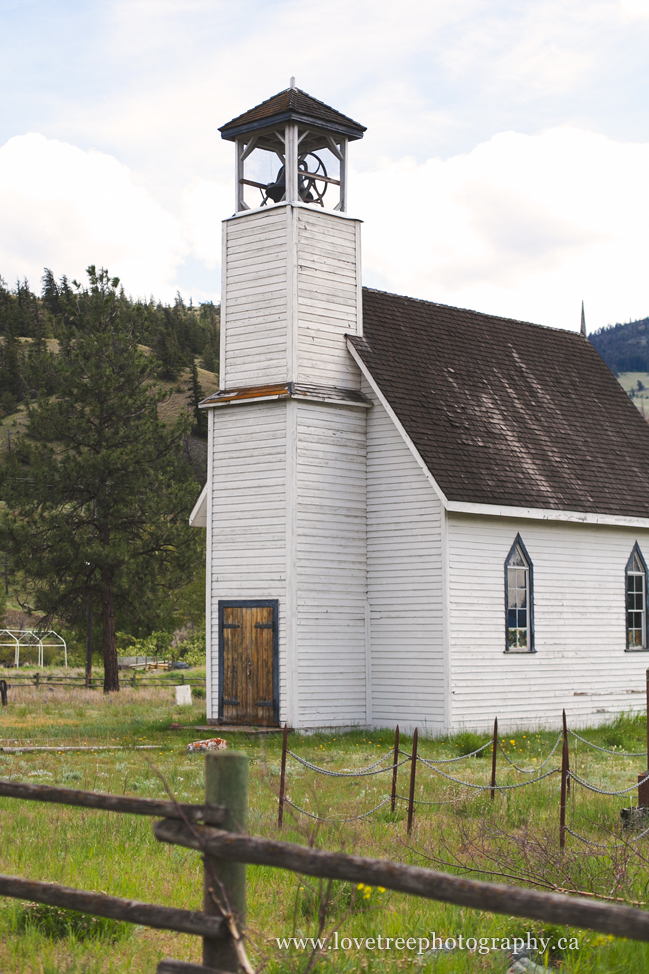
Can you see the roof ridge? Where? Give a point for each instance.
(472, 311)
(301, 103)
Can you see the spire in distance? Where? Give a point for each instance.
(583, 320)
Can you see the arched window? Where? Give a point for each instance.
(519, 600)
(636, 600)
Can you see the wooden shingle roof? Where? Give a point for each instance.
(293, 104)
(505, 412)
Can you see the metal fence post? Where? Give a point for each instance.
(394, 770)
(413, 771)
(226, 783)
(643, 778)
(493, 760)
(282, 778)
(564, 783)
(565, 738)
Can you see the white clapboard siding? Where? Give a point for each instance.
(404, 566)
(330, 573)
(256, 299)
(291, 292)
(248, 517)
(579, 622)
(328, 298)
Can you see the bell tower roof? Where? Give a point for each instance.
(294, 105)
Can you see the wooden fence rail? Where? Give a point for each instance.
(225, 850)
(621, 921)
(102, 905)
(208, 814)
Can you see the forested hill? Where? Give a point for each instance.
(179, 335)
(624, 348)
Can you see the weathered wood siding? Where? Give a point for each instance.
(248, 517)
(579, 623)
(255, 302)
(291, 291)
(405, 582)
(329, 282)
(330, 572)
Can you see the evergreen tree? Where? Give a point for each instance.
(196, 396)
(97, 492)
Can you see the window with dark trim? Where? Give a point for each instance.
(636, 600)
(519, 603)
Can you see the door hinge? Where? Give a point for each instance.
(230, 703)
(265, 625)
(264, 703)
(231, 625)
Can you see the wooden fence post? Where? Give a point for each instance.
(226, 783)
(493, 759)
(282, 779)
(564, 782)
(394, 770)
(565, 738)
(413, 769)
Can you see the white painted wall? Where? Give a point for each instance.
(405, 582)
(329, 294)
(248, 518)
(579, 622)
(330, 569)
(255, 299)
(291, 291)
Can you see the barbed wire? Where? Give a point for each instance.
(531, 770)
(607, 845)
(336, 821)
(460, 757)
(599, 791)
(364, 772)
(520, 784)
(621, 754)
(420, 801)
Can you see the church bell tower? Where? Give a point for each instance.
(286, 561)
(291, 256)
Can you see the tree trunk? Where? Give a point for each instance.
(88, 637)
(111, 672)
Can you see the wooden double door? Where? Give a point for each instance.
(248, 650)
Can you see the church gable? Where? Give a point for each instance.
(505, 412)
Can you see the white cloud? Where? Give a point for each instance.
(522, 226)
(65, 208)
(204, 205)
(635, 8)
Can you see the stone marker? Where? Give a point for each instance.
(183, 696)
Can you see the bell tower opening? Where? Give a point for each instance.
(291, 149)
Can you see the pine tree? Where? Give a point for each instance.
(196, 396)
(97, 492)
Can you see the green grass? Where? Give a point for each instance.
(516, 835)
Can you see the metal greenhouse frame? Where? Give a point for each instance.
(32, 637)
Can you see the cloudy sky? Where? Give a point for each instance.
(505, 166)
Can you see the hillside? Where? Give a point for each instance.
(183, 338)
(624, 347)
(31, 326)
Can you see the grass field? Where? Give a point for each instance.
(514, 840)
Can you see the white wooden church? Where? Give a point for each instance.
(415, 514)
